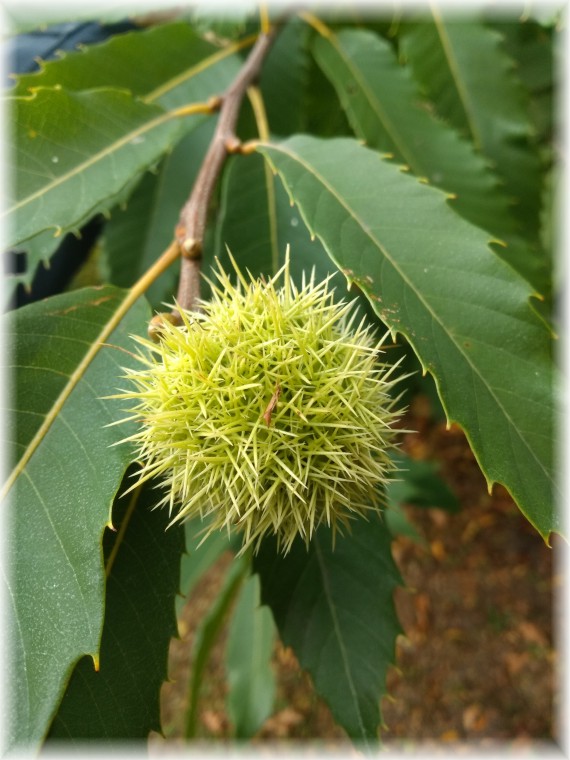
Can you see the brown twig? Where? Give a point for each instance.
(192, 223)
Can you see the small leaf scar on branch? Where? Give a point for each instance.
(189, 233)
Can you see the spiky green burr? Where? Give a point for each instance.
(267, 411)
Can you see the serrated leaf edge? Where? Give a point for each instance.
(409, 337)
(162, 118)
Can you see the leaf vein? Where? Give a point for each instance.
(344, 203)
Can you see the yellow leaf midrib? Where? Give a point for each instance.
(134, 134)
(436, 318)
(94, 159)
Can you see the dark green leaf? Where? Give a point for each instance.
(551, 217)
(531, 46)
(39, 249)
(59, 493)
(200, 555)
(207, 634)
(283, 79)
(431, 276)
(335, 609)
(385, 109)
(257, 223)
(398, 524)
(465, 70)
(547, 14)
(323, 117)
(419, 483)
(142, 560)
(251, 682)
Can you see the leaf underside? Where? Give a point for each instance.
(251, 682)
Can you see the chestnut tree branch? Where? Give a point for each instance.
(192, 222)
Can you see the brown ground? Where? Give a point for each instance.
(477, 664)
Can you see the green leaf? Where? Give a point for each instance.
(221, 24)
(384, 107)
(531, 46)
(137, 234)
(419, 483)
(465, 70)
(141, 62)
(257, 223)
(431, 276)
(251, 682)
(201, 553)
(74, 152)
(284, 77)
(59, 493)
(40, 248)
(142, 563)
(168, 65)
(551, 218)
(335, 609)
(323, 117)
(398, 524)
(207, 634)
(21, 20)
